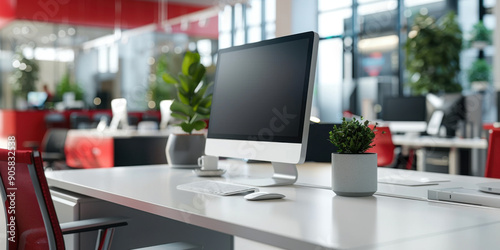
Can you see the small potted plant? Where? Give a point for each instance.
(480, 36)
(479, 75)
(354, 172)
(192, 108)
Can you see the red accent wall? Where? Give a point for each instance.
(7, 12)
(29, 126)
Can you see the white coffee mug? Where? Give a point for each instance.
(208, 162)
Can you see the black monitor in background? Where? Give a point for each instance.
(319, 148)
(405, 109)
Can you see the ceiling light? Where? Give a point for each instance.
(71, 31)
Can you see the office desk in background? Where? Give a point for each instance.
(308, 218)
(453, 144)
(89, 148)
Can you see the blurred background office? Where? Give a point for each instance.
(101, 51)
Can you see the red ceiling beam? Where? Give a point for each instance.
(125, 14)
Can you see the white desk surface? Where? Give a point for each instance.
(429, 141)
(308, 218)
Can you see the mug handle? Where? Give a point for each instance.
(200, 161)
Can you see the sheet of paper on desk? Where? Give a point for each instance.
(410, 180)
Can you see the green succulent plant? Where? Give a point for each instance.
(480, 71)
(480, 33)
(192, 104)
(353, 137)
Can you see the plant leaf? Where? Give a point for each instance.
(198, 125)
(182, 96)
(168, 78)
(187, 127)
(189, 59)
(198, 72)
(179, 116)
(198, 96)
(182, 108)
(206, 102)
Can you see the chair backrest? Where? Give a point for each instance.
(383, 146)
(54, 120)
(79, 121)
(53, 140)
(31, 219)
(493, 159)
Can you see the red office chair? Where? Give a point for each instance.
(383, 146)
(493, 160)
(30, 215)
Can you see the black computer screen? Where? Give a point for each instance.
(404, 108)
(260, 90)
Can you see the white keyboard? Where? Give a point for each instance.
(216, 187)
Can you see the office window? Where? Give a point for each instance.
(361, 55)
(326, 5)
(246, 23)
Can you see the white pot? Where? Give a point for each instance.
(185, 149)
(354, 174)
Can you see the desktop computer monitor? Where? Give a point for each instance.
(36, 99)
(445, 110)
(262, 103)
(404, 109)
(405, 114)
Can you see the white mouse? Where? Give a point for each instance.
(257, 196)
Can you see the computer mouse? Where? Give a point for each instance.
(257, 196)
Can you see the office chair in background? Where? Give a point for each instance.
(383, 146)
(79, 121)
(54, 120)
(493, 159)
(35, 222)
(52, 148)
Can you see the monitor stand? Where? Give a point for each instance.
(284, 174)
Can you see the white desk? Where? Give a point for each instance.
(452, 143)
(308, 218)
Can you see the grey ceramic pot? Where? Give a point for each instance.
(354, 174)
(185, 149)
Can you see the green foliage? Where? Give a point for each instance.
(192, 104)
(480, 33)
(480, 71)
(433, 55)
(24, 76)
(158, 90)
(352, 137)
(65, 85)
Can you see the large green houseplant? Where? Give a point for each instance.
(24, 76)
(192, 108)
(433, 55)
(157, 89)
(354, 172)
(67, 86)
